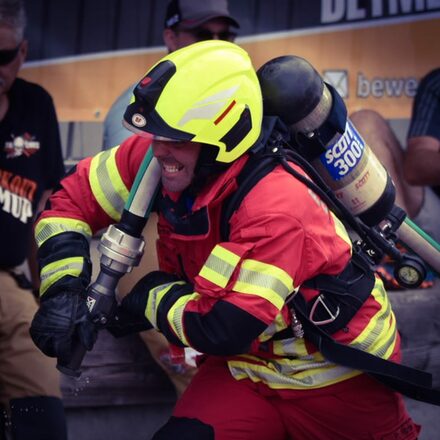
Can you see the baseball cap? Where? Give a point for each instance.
(189, 14)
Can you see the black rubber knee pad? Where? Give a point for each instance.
(183, 428)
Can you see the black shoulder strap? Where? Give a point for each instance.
(263, 158)
(408, 381)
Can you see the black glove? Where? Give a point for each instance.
(132, 309)
(125, 323)
(61, 321)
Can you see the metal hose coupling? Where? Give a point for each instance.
(120, 252)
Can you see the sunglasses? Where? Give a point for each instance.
(202, 34)
(8, 55)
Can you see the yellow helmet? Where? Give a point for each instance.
(207, 92)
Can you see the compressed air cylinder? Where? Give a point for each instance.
(317, 118)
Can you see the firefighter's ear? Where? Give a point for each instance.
(170, 40)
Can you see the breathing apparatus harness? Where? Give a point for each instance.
(340, 296)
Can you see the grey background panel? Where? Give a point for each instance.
(60, 28)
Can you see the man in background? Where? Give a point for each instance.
(422, 156)
(186, 22)
(415, 170)
(30, 166)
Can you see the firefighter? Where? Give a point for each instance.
(230, 297)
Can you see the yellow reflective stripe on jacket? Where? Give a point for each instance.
(175, 315)
(384, 345)
(219, 266)
(53, 272)
(155, 297)
(316, 375)
(301, 364)
(276, 326)
(292, 347)
(379, 336)
(265, 280)
(303, 370)
(341, 231)
(107, 185)
(49, 227)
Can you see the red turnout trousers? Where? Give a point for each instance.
(358, 408)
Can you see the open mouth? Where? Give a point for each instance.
(171, 168)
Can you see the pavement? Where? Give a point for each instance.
(426, 415)
(140, 422)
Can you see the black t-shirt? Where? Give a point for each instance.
(30, 162)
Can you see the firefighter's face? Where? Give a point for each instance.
(178, 161)
(12, 56)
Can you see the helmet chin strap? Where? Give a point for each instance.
(206, 168)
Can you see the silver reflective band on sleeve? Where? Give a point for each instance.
(219, 266)
(107, 184)
(314, 375)
(49, 227)
(53, 272)
(155, 297)
(379, 337)
(175, 315)
(265, 280)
